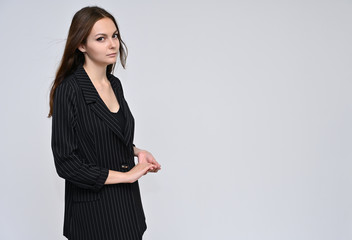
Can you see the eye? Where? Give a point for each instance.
(115, 35)
(100, 39)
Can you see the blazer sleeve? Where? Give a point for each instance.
(68, 163)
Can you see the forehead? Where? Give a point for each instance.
(104, 25)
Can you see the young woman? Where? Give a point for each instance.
(92, 134)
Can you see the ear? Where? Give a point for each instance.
(82, 48)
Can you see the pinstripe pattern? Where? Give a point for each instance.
(87, 141)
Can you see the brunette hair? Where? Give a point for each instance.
(81, 25)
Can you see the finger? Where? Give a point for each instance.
(149, 168)
(157, 164)
(153, 169)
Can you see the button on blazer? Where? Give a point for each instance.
(86, 142)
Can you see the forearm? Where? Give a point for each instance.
(131, 176)
(115, 177)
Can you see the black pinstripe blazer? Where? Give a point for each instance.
(86, 142)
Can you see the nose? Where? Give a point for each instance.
(113, 43)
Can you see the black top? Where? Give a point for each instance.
(121, 121)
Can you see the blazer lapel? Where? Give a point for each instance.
(98, 106)
(129, 127)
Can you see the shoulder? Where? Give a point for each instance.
(115, 82)
(67, 88)
(114, 79)
(69, 83)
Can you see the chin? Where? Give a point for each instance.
(110, 62)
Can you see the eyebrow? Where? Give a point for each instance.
(104, 34)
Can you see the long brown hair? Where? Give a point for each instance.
(81, 25)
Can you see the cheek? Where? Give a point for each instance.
(97, 49)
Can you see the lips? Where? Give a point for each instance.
(111, 55)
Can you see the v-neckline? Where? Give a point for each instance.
(118, 102)
(101, 99)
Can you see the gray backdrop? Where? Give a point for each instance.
(246, 104)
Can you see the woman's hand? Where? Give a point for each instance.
(138, 171)
(146, 163)
(146, 157)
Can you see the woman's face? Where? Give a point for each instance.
(102, 45)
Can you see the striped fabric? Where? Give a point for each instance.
(86, 142)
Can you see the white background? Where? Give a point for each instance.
(246, 104)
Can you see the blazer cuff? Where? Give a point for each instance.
(101, 179)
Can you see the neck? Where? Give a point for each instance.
(97, 74)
